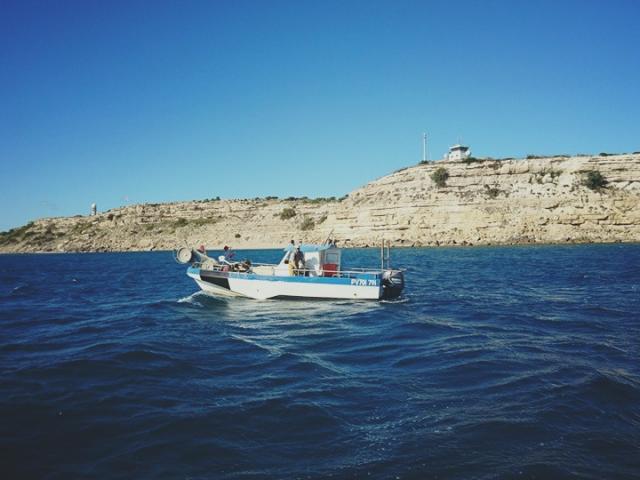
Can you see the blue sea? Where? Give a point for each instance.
(509, 362)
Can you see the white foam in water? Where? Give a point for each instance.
(19, 288)
(402, 299)
(192, 299)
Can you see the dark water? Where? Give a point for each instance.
(497, 363)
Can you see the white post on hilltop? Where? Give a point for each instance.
(424, 147)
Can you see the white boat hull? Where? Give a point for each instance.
(365, 287)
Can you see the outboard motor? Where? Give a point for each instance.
(392, 283)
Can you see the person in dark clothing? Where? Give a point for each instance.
(298, 260)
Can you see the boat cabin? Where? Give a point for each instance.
(319, 260)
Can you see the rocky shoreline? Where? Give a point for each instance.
(546, 200)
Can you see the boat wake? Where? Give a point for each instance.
(401, 299)
(193, 299)
(202, 299)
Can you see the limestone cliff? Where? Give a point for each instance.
(536, 200)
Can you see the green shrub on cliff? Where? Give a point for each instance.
(200, 222)
(492, 192)
(320, 200)
(79, 228)
(16, 234)
(181, 222)
(594, 180)
(471, 159)
(307, 224)
(440, 177)
(287, 213)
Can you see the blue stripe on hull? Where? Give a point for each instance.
(358, 279)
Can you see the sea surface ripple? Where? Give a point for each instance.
(511, 362)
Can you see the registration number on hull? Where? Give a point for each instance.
(361, 282)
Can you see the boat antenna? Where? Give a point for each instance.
(389, 255)
(328, 237)
(382, 255)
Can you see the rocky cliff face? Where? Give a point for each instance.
(541, 200)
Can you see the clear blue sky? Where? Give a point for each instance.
(130, 102)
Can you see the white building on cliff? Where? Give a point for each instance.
(457, 153)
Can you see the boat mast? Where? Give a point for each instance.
(329, 237)
(389, 255)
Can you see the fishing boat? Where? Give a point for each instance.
(321, 275)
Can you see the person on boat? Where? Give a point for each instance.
(298, 260)
(292, 249)
(228, 254)
(289, 258)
